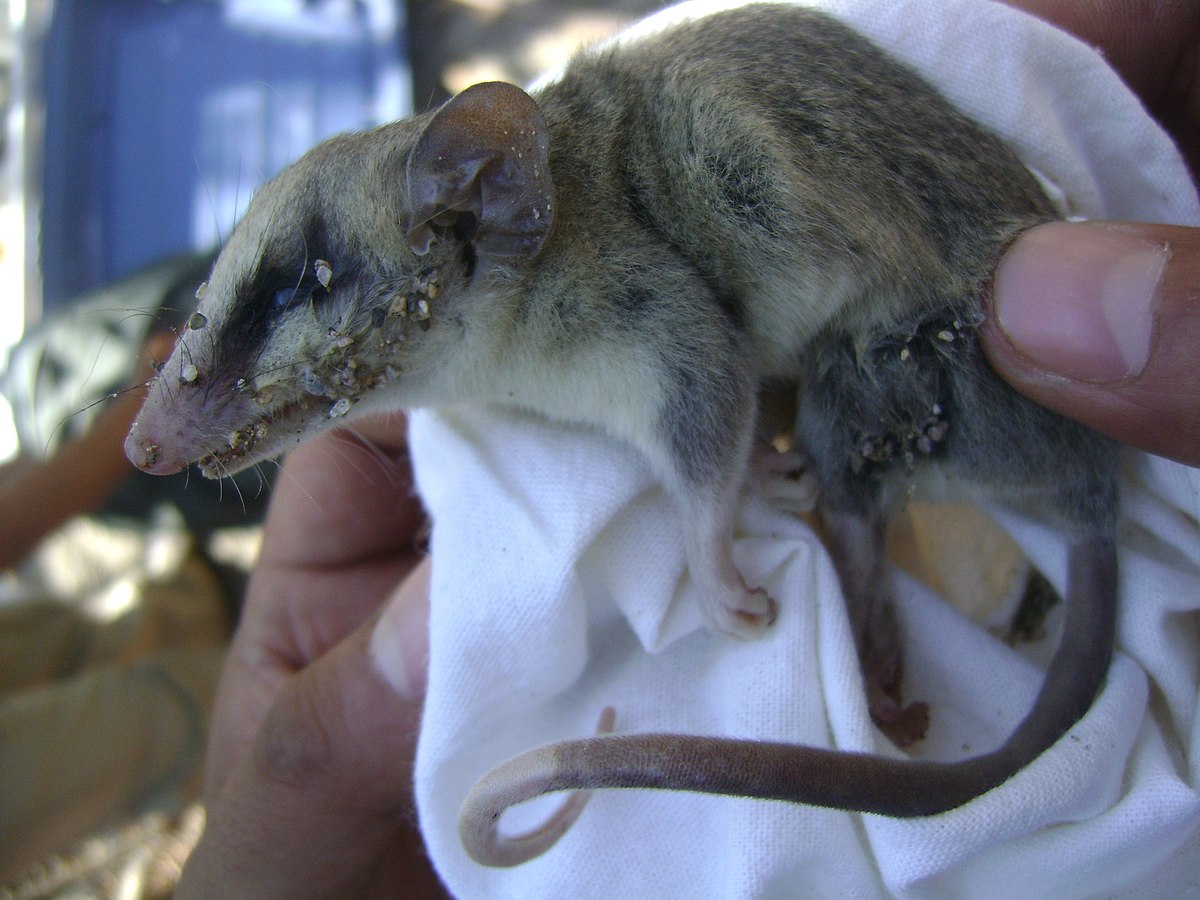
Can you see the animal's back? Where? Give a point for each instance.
(801, 172)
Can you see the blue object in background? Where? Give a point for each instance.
(162, 117)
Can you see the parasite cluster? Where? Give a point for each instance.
(354, 357)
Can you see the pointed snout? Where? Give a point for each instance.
(161, 441)
(147, 452)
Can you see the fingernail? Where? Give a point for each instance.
(399, 642)
(1079, 299)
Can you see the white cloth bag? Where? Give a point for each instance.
(560, 586)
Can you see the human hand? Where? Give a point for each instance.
(309, 779)
(39, 495)
(1101, 320)
(1153, 45)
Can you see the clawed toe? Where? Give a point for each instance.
(903, 725)
(754, 612)
(785, 481)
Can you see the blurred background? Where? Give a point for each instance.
(134, 133)
(137, 132)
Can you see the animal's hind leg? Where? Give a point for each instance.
(856, 545)
(730, 606)
(708, 427)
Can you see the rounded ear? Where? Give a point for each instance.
(485, 152)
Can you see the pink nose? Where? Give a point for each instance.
(145, 453)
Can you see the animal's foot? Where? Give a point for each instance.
(903, 724)
(784, 480)
(743, 613)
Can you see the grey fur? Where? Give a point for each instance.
(759, 196)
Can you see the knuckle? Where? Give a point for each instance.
(295, 747)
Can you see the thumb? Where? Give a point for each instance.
(1100, 321)
(321, 804)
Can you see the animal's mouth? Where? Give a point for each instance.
(270, 431)
(269, 436)
(294, 404)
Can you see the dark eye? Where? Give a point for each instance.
(293, 295)
(284, 297)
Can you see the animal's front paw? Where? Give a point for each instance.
(743, 613)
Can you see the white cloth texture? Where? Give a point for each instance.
(560, 586)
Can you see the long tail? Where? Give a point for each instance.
(776, 771)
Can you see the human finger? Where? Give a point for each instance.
(321, 802)
(1101, 322)
(345, 496)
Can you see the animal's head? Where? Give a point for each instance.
(343, 286)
